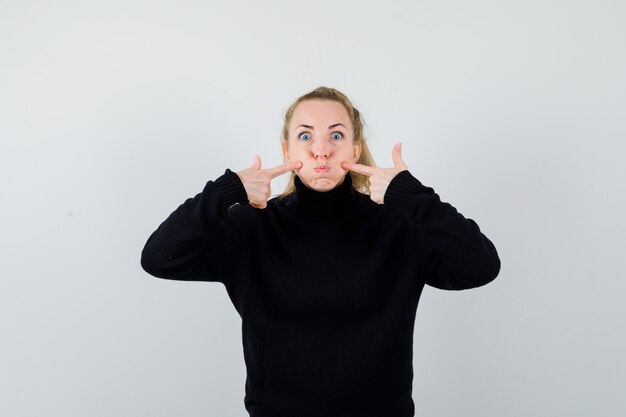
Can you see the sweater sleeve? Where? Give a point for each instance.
(454, 253)
(201, 237)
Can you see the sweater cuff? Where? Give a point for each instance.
(403, 191)
(231, 189)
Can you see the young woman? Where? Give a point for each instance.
(327, 276)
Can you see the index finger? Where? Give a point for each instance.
(359, 168)
(281, 169)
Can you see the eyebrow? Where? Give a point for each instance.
(330, 127)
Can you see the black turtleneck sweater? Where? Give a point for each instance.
(326, 284)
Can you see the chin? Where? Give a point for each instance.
(322, 184)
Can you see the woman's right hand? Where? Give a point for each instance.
(257, 181)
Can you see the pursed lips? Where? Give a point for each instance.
(322, 168)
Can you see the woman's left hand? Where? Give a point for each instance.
(379, 178)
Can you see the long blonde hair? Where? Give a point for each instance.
(359, 181)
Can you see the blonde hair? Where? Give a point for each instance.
(359, 181)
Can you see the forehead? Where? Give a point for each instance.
(320, 112)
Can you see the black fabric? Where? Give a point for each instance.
(327, 285)
(315, 205)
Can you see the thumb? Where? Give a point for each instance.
(396, 155)
(257, 162)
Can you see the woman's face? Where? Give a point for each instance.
(321, 137)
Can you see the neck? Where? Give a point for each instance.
(323, 205)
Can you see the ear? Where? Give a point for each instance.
(285, 146)
(357, 151)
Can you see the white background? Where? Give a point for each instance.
(112, 113)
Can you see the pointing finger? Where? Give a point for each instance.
(359, 168)
(281, 169)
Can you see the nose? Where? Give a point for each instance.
(321, 150)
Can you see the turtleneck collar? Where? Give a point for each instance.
(323, 205)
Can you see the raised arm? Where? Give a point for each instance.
(205, 234)
(185, 245)
(454, 253)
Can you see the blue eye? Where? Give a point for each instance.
(336, 135)
(304, 136)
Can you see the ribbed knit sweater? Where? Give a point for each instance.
(326, 284)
